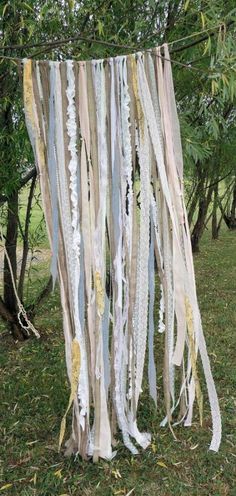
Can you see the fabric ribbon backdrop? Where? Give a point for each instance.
(106, 141)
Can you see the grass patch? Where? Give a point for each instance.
(35, 394)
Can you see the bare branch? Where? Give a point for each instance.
(219, 180)
(200, 40)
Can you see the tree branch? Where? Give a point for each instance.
(219, 180)
(199, 40)
(64, 41)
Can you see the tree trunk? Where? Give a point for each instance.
(10, 245)
(200, 222)
(26, 238)
(214, 223)
(198, 227)
(230, 219)
(233, 206)
(198, 192)
(193, 206)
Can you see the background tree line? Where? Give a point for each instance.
(205, 92)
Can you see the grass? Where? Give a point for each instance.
(35, 394)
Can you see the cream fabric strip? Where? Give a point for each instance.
(83, 390)
(102, 438)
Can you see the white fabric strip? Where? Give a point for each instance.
(118, 333)
(151, 359)
(83, 391)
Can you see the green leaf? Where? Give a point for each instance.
(4, 9)
(203, 19)
(71, 4)
(186, 5)
(28, 7)
(100, 27)
(208, 46)
(214, 87)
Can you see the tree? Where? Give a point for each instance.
(208, 118)
(205, 90)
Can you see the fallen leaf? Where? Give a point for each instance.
(58, 473)
(116, 474)
(6, 486)
(194, 447)
(130, 492)
(34, 479)
(162, 464)
(31, 442)
(154, 448)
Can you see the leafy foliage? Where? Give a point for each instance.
(203, 95)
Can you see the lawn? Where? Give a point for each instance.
(35, 394)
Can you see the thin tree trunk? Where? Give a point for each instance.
(214, 223)
(230, 217)
(10, 245)
(198, 193)
(200, 222)
(26, 239)
(233, 206)
(193, 206)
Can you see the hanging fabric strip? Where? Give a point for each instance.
(52, 173)
(102, 436)
(151, 359)
(107, 147)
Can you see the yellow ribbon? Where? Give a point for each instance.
(28, 91)
(136, 94)
(99, 292)
(29, 105)
(75, 355)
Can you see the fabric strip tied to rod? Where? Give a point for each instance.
(106, 140)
